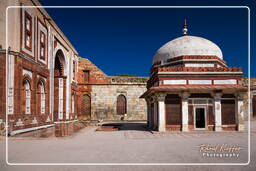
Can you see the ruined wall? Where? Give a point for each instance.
(249, 100)
(104, 101)
(103, 91)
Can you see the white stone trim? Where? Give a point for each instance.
(184, 115)
(228, 81)
(60, 111)
(240, 114)
(199, 65)
(161, 116)
(65, 121)
(29, 73)
(178, 73)
(173, 82)
(193, 60)
(10, 84)
(30, 129)
(44, 30)
(199, 81)
(217, 114)
(23, 33)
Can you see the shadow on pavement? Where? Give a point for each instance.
(123, 126)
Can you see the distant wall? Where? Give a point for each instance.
(104, 99)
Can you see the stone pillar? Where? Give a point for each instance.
(240, 111)
(184, 98)
(155, 115)
(217, 111)
(161, 112)
(148, 113)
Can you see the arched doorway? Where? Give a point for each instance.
(121, 105)
(59, 86)
(86, 107)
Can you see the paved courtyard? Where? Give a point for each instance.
(132, 144)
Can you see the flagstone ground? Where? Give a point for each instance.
(132, 144)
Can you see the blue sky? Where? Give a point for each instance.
(124, 41)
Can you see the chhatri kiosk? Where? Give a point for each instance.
(192, 88)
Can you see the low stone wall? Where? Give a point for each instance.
(40, 133)
(58, 130)
(66, 129)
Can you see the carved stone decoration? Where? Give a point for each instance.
(34, 121)
(19, 123)
(48, 119)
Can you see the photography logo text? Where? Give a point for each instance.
(219, 150)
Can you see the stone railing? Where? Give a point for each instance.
(127, 80)
(199, 69)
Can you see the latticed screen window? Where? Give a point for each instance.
(42, 94)
(42, 45)
(86, 76)
(121, 105)
(27, 97)
(28, 31)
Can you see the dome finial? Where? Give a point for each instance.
(184, 30)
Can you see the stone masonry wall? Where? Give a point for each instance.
(104, 98)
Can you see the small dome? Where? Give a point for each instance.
(186, 46)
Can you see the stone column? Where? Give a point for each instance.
(184, 98)
(155, 115)
(217, 111)
(161, 112)
(148, 113)
(240, 111)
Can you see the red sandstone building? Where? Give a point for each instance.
(192, 88)
(45, 85)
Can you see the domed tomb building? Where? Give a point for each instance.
(192, 88)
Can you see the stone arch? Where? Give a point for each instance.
(121, 105)
(59, 63)
(26, 95)
(59, 85)
(86, 106)
(41, 97)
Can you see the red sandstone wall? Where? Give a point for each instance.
(2, 86)
(96, 76)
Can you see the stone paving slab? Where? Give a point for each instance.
(126, 146)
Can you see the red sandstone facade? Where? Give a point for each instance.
(38, 69)
(192, 88)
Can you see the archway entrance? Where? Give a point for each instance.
(121, 105)
(59, 87)
(86, 107)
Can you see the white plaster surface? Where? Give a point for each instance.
(161, 116)
(217, 113)
(199, 65)
(174, 82)
(184, 115)
(199, 81)
(228, 81)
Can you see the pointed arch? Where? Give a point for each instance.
(86, 106)
(121, 105)
(41, 96)
(26, 96)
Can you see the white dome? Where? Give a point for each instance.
(185, 46)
